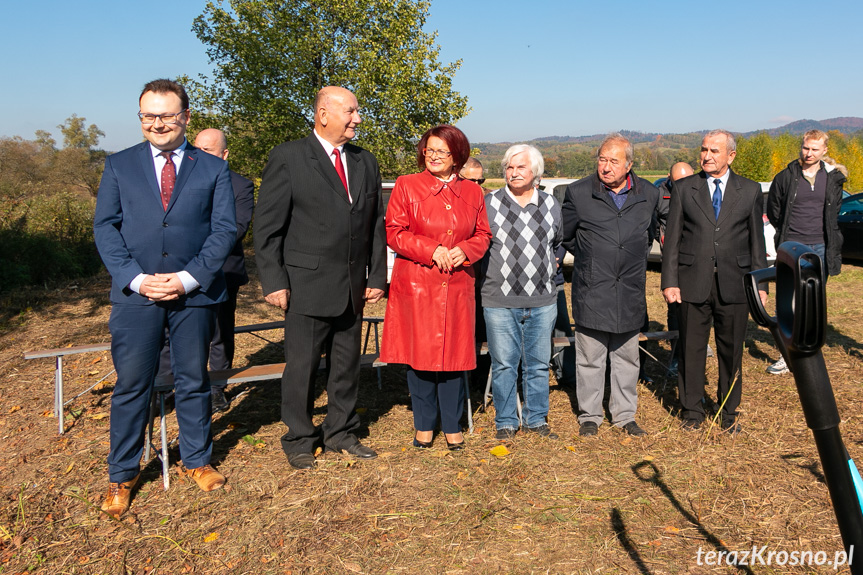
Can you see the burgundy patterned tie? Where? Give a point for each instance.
(169, 176)
(340, 169)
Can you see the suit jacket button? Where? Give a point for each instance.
(164, 224)
(351, 262)
(164, 254)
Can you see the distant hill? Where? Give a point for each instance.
(847, 125)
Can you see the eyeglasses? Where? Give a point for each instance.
(166, 118)
(479, 181)
(429, 153)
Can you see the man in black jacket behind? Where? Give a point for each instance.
(803, 206)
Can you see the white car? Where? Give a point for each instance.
(557, 186)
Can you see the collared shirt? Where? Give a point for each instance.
(328, 148)
(189, 283)
(619, 198)
(723, 182)
(159, 160)
(534, 198)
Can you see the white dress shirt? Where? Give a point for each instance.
(189, 283)
(328, 148)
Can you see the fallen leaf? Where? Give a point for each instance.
(353, 567)
(648, 458)
(318, 451)
(499, 451)
(626, 441)
(571, 448)
(95, 361)
(98, 416)
(68, 469)
(672, 529)
(14, 408)
(211, 537)
(518, 527)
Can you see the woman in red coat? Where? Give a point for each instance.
(437, 226)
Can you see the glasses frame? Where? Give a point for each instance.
(478, 181)
(162, 117)
(429, 153)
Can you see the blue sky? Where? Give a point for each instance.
(530, 69)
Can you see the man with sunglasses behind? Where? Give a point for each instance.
(164, 225)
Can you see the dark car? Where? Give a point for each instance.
(851, 226)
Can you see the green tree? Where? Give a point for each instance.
(754, 159)
(272, 56)
(77, 136)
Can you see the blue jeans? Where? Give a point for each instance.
(519, 335)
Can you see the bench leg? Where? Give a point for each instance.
(164, 430)
(148, 437)
(487, 397)
(58, 393)
(467, 396)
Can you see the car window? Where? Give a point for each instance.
(852, 206)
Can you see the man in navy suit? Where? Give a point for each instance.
(164, 225)
(320, 246)
(213, 142)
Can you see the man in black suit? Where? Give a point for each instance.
(320, 246)
(214, 142)
(715, 235)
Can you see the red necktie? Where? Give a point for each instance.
(340, 169)
(169, 176)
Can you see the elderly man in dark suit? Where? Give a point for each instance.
(715, 235)
(320, 246)
(164, 224)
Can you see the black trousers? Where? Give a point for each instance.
(222, 346)
(306, 338)
(729, 327)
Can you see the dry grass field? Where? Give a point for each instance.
(609, 504)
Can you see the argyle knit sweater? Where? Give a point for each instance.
(520, 264)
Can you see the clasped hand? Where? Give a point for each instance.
(448, 259)
(162, 287)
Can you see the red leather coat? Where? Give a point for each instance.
(430, 314)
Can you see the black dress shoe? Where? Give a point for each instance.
(691, 424)
(731, 426)
(301, 460)
(423, 444)
(588, 429)
(359, 450)
(218, 399)
(454, 446)
(633, 429)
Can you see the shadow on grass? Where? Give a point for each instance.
(619, 528)
(812, 467)
(255, 405)
(641, 470)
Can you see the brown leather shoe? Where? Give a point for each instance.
(119, 496)
(207, 478)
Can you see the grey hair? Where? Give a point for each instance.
(617, 137)
(537, 164)
(730, 143)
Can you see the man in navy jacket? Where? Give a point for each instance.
(164, 225)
